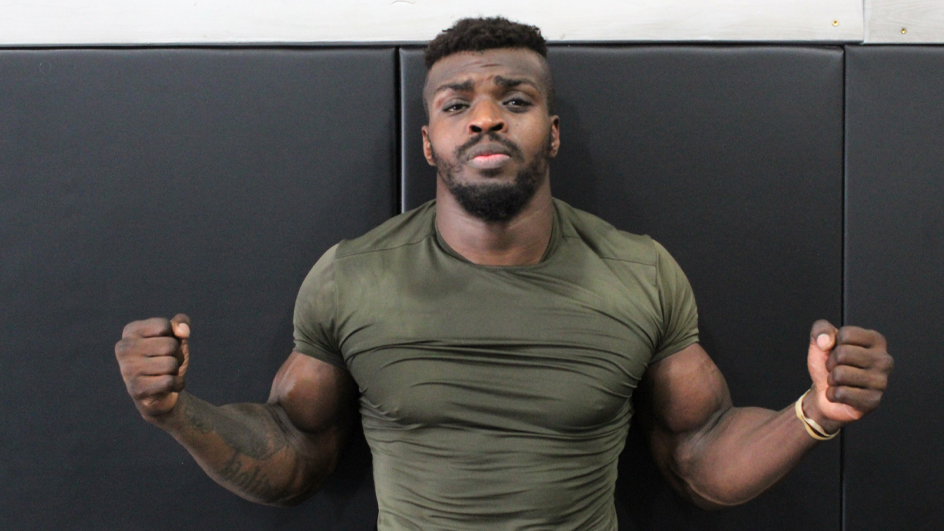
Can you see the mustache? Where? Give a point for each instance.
(513, 150)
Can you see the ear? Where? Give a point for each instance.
(555, 135)
(428, 147)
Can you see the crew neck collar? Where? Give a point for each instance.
(549, 252)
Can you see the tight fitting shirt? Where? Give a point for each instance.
(495, 397)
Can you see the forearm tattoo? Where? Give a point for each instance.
(253, 435)
(197, 417)
(252, 481)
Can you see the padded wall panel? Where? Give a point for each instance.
(137, 183)
(894, 272)
(418, 178)
(732, 158)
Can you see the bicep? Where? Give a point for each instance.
(680, 398)
(317, 397)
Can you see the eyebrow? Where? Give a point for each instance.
(468, 85)
(465, 86)
(512, 83)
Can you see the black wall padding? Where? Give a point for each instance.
(138, 183)
(418, 177)
(894, 275)
(732, 158)
(143, 182)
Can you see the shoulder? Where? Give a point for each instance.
(605, 240)
(405, 229)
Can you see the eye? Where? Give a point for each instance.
(518, 103)
(454, 106)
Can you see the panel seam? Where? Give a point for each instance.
(842, 301)
(399, 202)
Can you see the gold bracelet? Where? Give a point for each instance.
(812, 427)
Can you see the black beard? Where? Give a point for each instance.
(495, 202)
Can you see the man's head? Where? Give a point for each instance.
(490, 134)
(481, 34)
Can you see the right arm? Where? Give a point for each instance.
(277, 453)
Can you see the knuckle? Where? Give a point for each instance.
(165, 346)
(848, 396)
(841, 354)
(840, 374)
(122, 347)
(128, 370)
(881, 384)
(136, 390)
(130, 329)
(844, 334)
(882, 341)
(167, 382)
(839, 394)
(169, 365)
(146, 327)
(888, 363)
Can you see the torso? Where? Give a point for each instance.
(497, 397)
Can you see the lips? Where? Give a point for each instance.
(488, 156)
(487, 149)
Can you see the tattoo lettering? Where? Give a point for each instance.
(252, 482)
(197, 417)
(249, 431)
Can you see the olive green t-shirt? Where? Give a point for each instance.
(495, 397)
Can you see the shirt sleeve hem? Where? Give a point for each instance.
(319, 354)
(674, 349)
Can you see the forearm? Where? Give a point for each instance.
(745, 452)
(719, 455)
(251, 449)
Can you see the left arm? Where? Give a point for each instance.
(718, 455)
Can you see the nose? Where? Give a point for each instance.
(486, 116)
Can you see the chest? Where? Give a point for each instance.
(549, 350)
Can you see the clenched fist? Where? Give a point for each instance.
(153, 356)
(850, 368)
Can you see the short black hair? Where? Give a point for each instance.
(489, 33)
(480, 34)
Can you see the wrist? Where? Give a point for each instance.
(818, 425)
(169, 419)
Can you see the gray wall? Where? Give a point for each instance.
(790, 182)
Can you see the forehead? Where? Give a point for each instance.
(520, 63)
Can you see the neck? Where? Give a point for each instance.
(521, 240)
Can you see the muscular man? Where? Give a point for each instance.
(497, 342)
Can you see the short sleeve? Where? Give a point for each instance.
(679, 312)
(315, 313)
